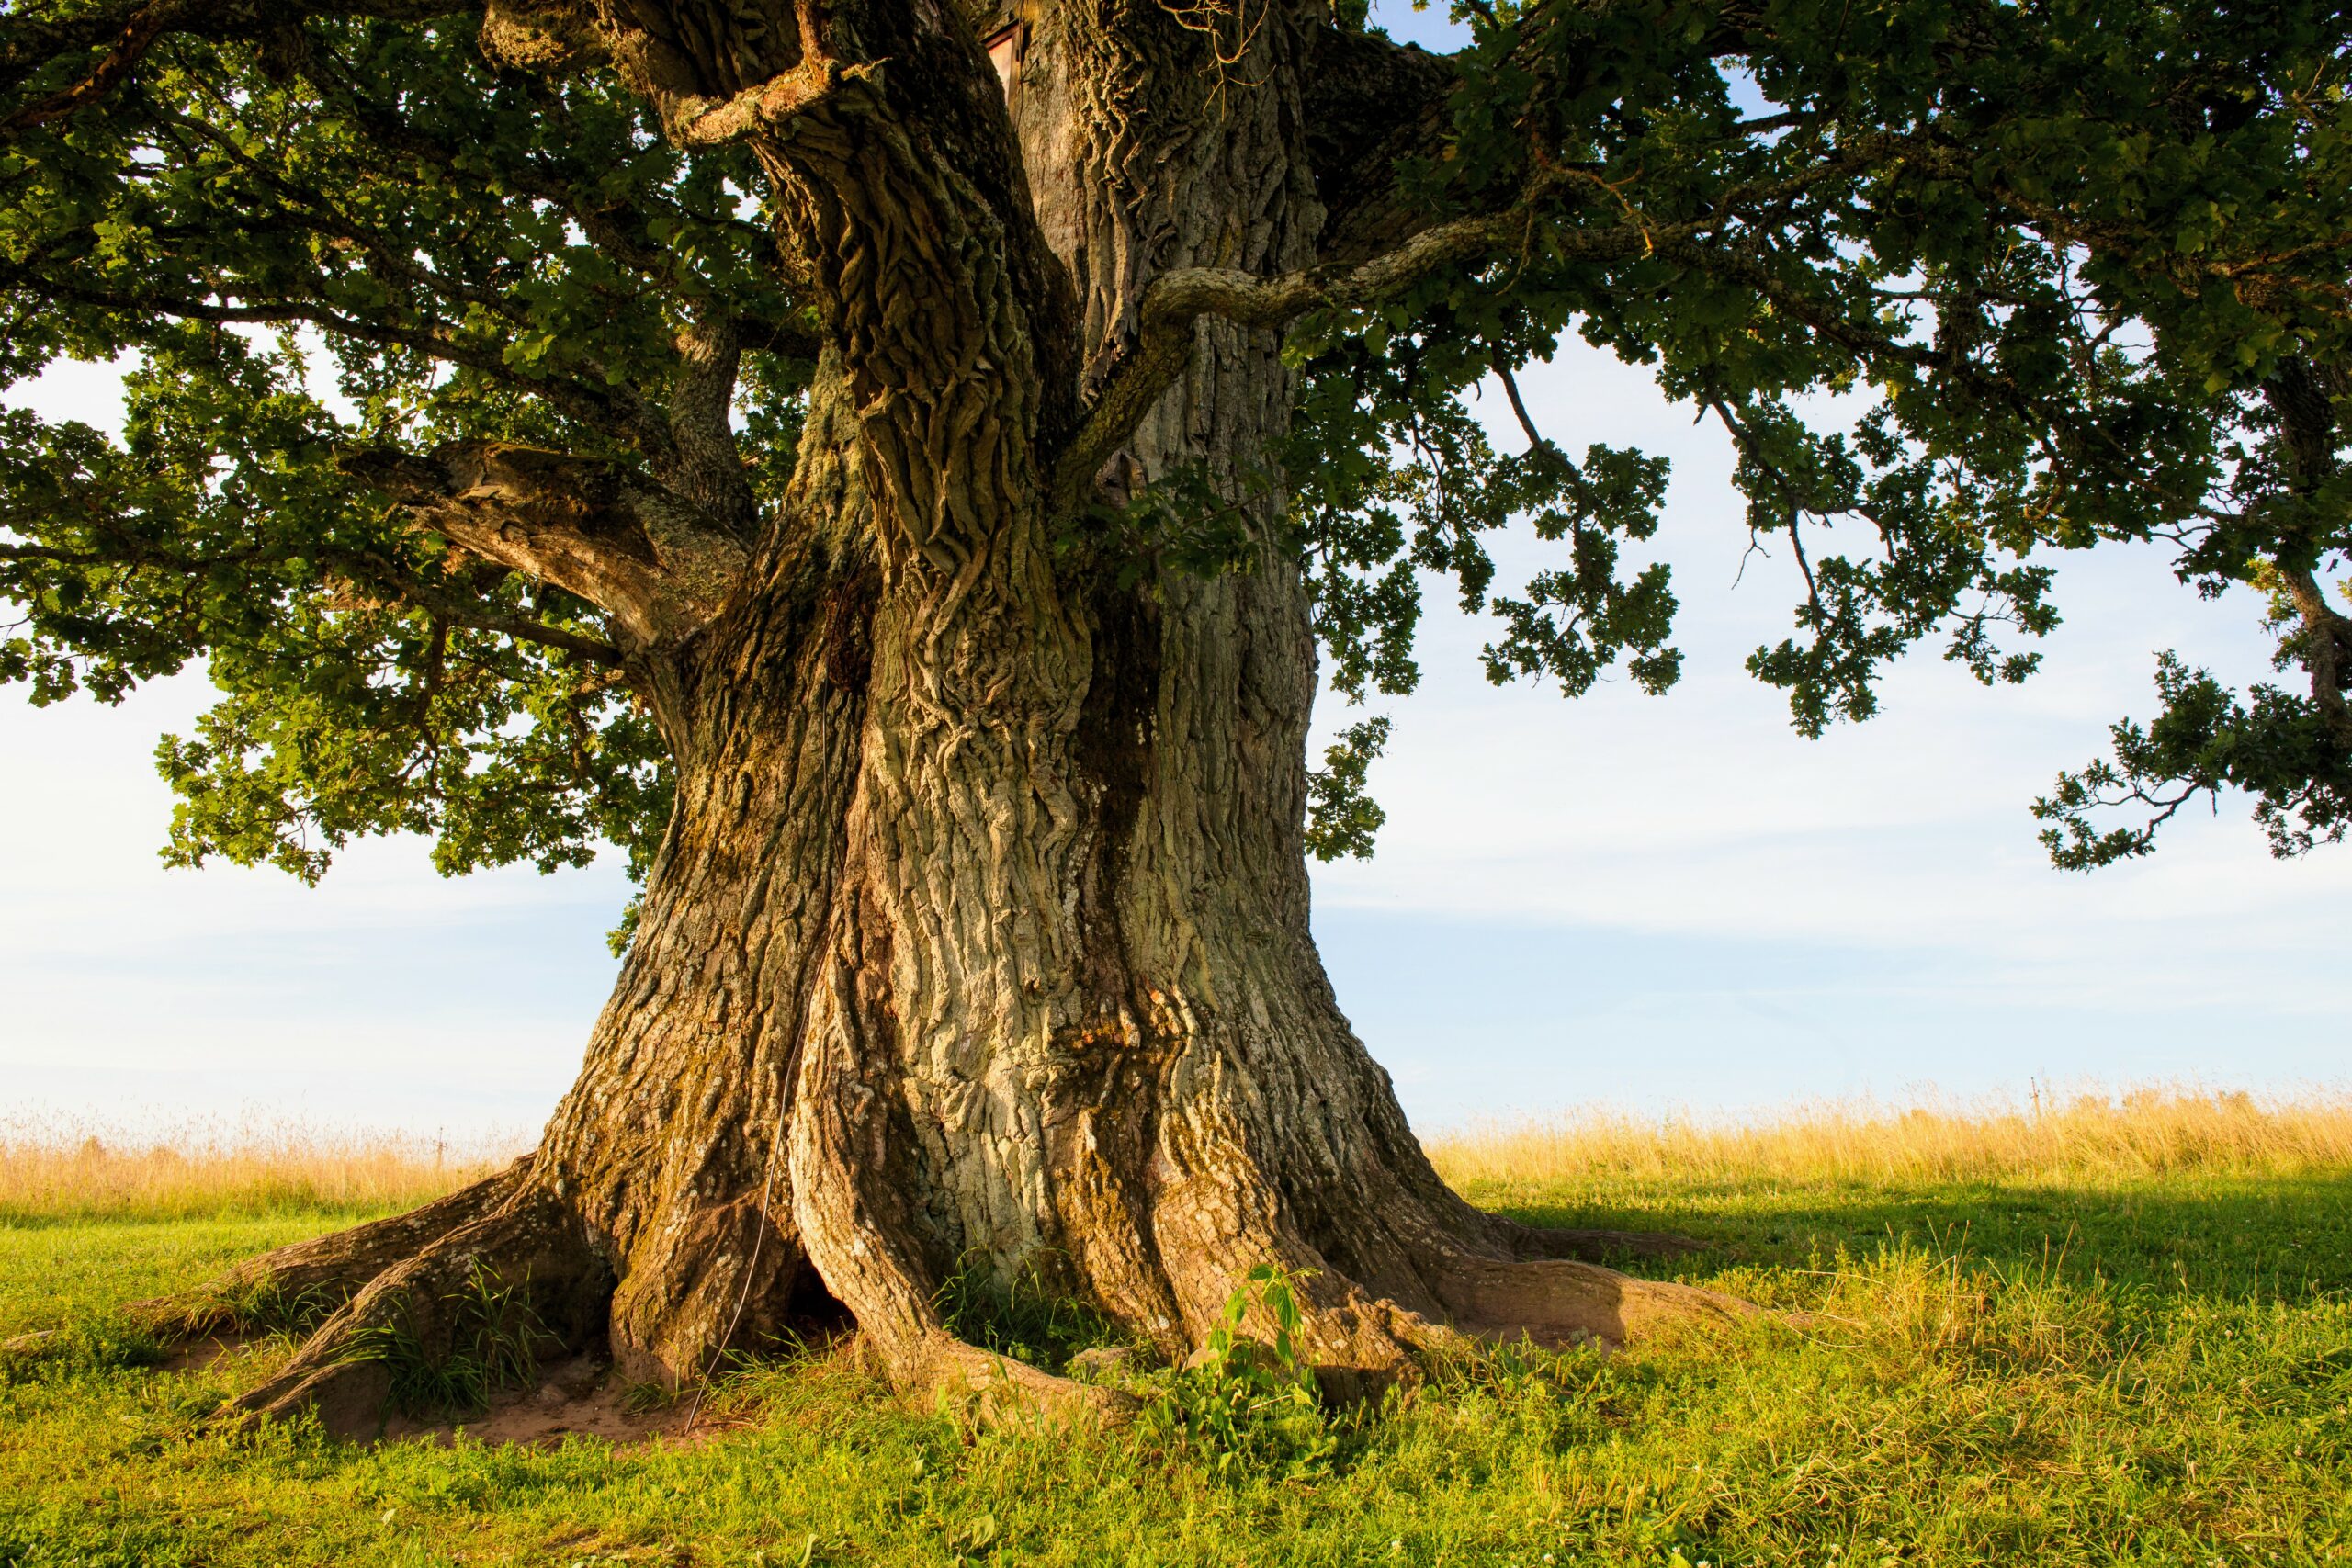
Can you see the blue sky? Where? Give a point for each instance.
(1656, 902)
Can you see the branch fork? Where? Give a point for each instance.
(642, 554)
(714, 122)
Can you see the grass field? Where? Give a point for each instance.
(2097, 1332)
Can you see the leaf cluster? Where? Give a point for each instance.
(356, 235)
(1965, 286)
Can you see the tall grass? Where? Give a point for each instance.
(2141, 1131)
(53, 1171)
(2118, 1335)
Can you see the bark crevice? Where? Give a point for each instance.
(978, 940)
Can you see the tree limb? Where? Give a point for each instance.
(381, 576)
(2306, 416)
(457, 611)
(1182, 296)
(613, 224)
(145, 26)
(694, 122)
(644, 556)
(598, 408)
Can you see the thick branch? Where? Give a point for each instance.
(381, 576)
(457, 610)
(2326, 650)
(1182, 296)
(614, 225)
(145, 26)
(707, 122)
(599, 408)
(647, 557)
(2306, 416)
(706, 464)
(1375, 109)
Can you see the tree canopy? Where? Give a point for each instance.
(2085, 266)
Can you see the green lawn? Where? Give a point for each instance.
(2156, 1370)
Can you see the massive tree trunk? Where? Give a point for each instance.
(978, 943)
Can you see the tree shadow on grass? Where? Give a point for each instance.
(2225, 1235)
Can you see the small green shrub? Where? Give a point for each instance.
(1245, 1405)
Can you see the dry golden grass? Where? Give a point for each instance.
(80, 1171)
(52, 1172)
(2139, 1132)
(2139, 1368)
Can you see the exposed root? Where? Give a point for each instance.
(426, 1309)
(1405, 1278)
(1558, 1302)
(707, 1278)
(524, 1240)
(1359, 1345)
(312, 1276)
(996, 1389)
(855, 1233)
(1423, 1283)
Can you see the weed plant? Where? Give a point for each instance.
(270, 1306)
(1245, 1405)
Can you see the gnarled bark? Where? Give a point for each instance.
(978, 942)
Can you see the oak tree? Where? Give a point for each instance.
(896, 467)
